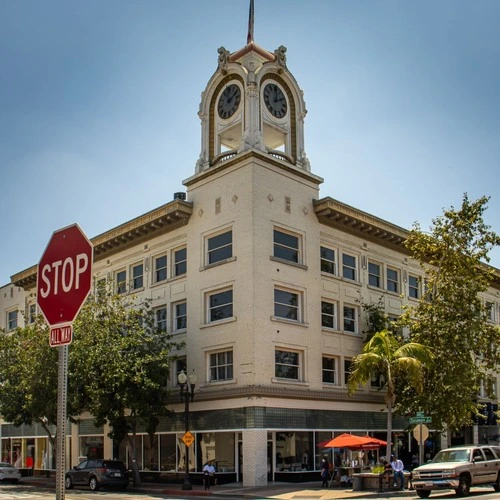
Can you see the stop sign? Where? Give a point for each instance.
(64, 275)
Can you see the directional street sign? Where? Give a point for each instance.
(420, 418)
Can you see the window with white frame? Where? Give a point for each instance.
(328, 262)
(221, 366)
(31, 313)
(219, 247)
(413, 286)
(180, 316)
(349, 266)
(180, 261)
(121, 281)
(160, 268)
(220, 305)
(350, 319)
(12, 320)
(374, 274)
(392, 280)
(138, 276)
(328, 314)
(287, 364)
(490, 311)
(286, 246)
(161, 318)
(347, 369)
(329, 370)
(287, 304)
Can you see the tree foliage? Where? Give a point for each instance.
(451, 315)
(28, 377)
(119, 367)
(389, 356)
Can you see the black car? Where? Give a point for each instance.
(97, 472)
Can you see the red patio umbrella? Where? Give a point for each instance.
(352, 441)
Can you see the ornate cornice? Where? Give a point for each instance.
(159, 221)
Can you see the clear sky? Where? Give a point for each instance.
(99, 102)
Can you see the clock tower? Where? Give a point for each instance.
(252, 102)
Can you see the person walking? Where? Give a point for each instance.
(397, 468)
(325, 468)
(208, 474)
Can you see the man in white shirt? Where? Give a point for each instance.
(208, 474)
(398, 467)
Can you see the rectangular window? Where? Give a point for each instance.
(11, 320)
(287, 364)
(180, 316)
(286, 305)
(160, 268)
(221, 366)
(329, 370)
(219, 247)
(286, 246)
(220, 305)
(328, 264)
(328, 316)
(347, 370)
(161, 318)
(374, 275)
(350, 319)
(413, 287)
(121, 281)
(32, 313)
(180, 366)
(180, 262)
(349, 267)
(138, 276)
(490, 311)
(392, 280)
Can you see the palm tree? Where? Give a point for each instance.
(386, 356)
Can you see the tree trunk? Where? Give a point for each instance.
(136, 477)
(389, 427)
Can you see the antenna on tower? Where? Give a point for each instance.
(250, 23)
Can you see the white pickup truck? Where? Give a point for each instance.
(459, 468)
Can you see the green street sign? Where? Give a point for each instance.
(420, 418)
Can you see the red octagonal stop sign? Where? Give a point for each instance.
(64, 275)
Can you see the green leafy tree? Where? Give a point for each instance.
(28, 378)
(391, 358)
(451, 316)
(119, 365)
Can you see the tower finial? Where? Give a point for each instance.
(250, 23)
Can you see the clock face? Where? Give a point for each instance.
(275, 100)
(229, 101)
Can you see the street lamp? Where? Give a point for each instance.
(187, 392)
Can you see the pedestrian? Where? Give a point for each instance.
(208, 474)
(325, 467)
(397, 468)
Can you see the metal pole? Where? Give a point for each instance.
(187, 479)
(62, 385)
(420, 447)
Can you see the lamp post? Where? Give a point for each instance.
(187, 392)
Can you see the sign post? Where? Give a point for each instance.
(420, 433)
(64, 280)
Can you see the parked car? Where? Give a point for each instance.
(9, 473)
(97, 472)
(459, 468)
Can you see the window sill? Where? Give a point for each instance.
(288, 262)
(289, 381)
(218, 263)
(167, 280)
(218, 322)
(213, 383)
(289, 321)
(330, 330)
(345, 280)
(377, 288)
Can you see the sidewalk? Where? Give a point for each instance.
(283, 491)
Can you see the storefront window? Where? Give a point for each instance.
(92, 446)
(167, 452)
(216, 446)
(294, 451)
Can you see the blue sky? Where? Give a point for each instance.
(99, 102)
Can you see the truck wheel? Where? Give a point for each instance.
(424, 493)
(463, 486)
